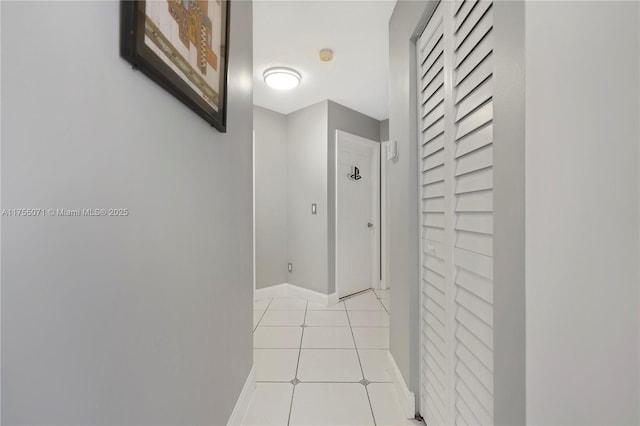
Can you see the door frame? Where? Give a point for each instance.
(253, 206)
(375, 205)
(384, 219)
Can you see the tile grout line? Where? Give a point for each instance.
(372, 290)
(388, 313)
(320, 381)
(293, 392)
(366, 389)
(332, 349)
(262, 316)
(360, 363)
(326, 325)
(380, 301)
(298, 362)
(304, 321)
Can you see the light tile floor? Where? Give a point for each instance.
(318, 365)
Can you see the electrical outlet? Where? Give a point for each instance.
(290, 267)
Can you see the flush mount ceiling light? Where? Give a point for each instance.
(281, 78)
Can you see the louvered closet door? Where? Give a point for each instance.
(456, 111)
(435, 386)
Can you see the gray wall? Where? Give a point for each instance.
(356, 123)
(402, 190)
(582, 212)
(307, 184)
(509, 352)
(384, 130)
(298, 169)
(271, 197)
(144, 319)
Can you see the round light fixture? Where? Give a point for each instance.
(281, 78)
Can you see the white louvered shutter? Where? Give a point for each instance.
(457, 256)
(434, 392)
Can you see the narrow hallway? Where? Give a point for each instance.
(323, 365)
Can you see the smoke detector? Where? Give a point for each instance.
(326, 55)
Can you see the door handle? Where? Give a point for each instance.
(369, 225)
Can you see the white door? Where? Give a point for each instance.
(455, 83)
(357, 207)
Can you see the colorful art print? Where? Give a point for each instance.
(183, 46)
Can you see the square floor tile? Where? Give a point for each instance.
(282, 318)
(269, 405)
(277, 337)
(330, 404)
(275, 365)
(386, 408)
(364, 302)
(317, 307)
(327, 337)
(374, 364)
(327, 318)
(369, 318)
(261, 305)
(288, 304)
(329, 365)
(371, 337)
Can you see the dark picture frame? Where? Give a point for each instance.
(134, 22)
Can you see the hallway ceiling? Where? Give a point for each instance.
(291, 33)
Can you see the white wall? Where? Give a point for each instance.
(582, 212)
(144, 319)
(271, 197)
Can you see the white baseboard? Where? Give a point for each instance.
(290, 290)
(240, 410)
(278, 290)
(406, 398)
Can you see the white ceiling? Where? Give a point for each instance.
(291, 33)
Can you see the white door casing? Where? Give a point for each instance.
(384, 226)
(357, 214)
(253, 204)
(455, 105)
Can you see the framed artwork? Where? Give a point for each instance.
(183, 45)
